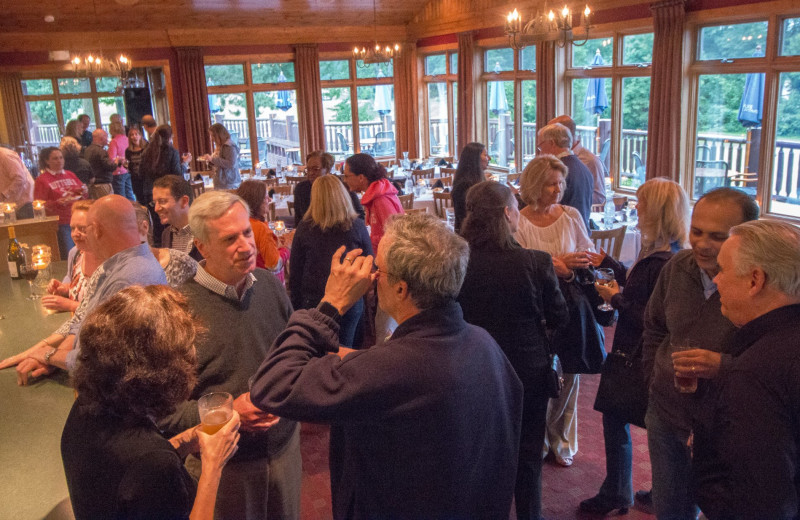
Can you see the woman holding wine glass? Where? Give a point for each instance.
(225, 158)
(663, 209)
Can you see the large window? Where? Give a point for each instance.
(509, 76)
(440, 103)
(609, 78)
(358, 107)
(731, 72)
(256, 102)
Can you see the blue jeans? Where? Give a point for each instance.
(349, 322)
(65, 242)
(617, 488)
(122, 185)
(671, 464)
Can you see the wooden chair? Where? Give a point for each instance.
(271, 182)
(282, 189)
(447, 182)
(513, 178)
(598, 208)
(407, 201)
(293, 181)
(273, 213)
(198, 188)
(440, 202)
(422, 174)
(290, 207)
(412, 211)
(620, 201)
(447, 171)
(610, 240)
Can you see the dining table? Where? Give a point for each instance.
(632, 243)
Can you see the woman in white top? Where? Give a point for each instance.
(558, 230)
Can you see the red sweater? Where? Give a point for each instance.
(59, 192)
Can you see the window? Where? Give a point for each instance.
(609, 78)
(358, 107)
(440, 103)
(508, 76)
(732, 126)
(256, 102)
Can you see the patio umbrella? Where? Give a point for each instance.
(497, 94)
(752, 103)
(596, 100)
(284, 101)
(383, 97)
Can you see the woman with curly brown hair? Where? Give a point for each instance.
(137, 362)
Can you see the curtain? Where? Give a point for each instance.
(406, 101)
(309, 98)
(14, 108)
(664, 128)
(194, 100)
(545, 83)
(466, 89)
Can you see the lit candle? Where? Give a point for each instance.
(38, 209)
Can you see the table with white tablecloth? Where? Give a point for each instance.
(630, 245)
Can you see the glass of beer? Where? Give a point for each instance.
(684, 385)
(215, 409)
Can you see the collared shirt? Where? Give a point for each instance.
(564, 154)
(709, 287)
(218, 287)
(595, 166)
(182, 239)
(16, 183)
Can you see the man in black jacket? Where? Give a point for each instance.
(102, 166)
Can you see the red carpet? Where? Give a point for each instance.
(563, 488)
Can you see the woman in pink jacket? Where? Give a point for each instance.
(363, 174)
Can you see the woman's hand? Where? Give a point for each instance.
(58, 288)
(596, 258)
(216, 450)
(59, 303)
(576, 260)
(607, 291)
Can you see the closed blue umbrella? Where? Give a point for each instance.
(497, 94)
(752, 104)
(284, 96)
(383, 97)
(596, 100)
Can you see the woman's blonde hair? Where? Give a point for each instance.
(116, 128)
(666, 214)
(534, 177)
(219, 133)
(330, 204)
(69, 146)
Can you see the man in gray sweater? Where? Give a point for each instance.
(684, 309)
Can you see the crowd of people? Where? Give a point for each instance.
(440, 399)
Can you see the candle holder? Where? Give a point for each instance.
(280, 227)
(41, 259)
(38, 210)
(10, 212)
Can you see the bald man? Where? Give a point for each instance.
(102, 166)
(149, 125)
(112, 234)
(590, 160)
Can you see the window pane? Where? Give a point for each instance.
(338, 121)
(596, 53)
(455, 119)
(633, 148)
(500, 105)
(231, 111)
(339, 69)
(224, 75)
(721, 149)
(637, 48)
(436, 64)
(73, 86)
(454, 63)
(744, 40)
(376, 120)
(589, 96)
(375, 70)
(108, 106)
(107, 84)
(785, 195)
(276, 128)
(790, 39)
(271, 72)
(37, 87)
(527, 58)
(437, 118)
(499, 60)
(72, 108)
(528, 122)
(43, 123)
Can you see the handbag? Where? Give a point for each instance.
(555, 376)
(623, 392)
(581, 344)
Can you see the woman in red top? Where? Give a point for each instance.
(270, 255)
(59, 188)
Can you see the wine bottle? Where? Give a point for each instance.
(16, 256)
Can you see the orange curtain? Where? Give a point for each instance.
(545, 83)
(14, 108)
(406, 102)
(194, 100)
(466, 89)
(664, 128)
(309, 98)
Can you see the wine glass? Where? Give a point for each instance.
(604, 276)
(29, 272)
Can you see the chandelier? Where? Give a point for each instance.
(376, 53)
(553, 26)
(93, 64)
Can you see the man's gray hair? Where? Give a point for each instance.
(426, 255)
(558, 133)
(211, 205)
(775, 248)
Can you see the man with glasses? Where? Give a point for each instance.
(172, 196)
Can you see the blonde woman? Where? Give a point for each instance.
(225, 158)
(664, 222)
(73, 161)
(329, 223)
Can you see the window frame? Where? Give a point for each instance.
(450, 78)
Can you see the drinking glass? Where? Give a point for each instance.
(604, 276)
(215, 409)
(29, 272)
(684, 385)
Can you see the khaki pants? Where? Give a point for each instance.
(100, 190)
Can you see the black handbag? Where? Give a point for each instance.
(555, 376)
(623, 392)
(581, 344)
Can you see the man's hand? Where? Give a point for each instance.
(696, 362)
(253, 419)
(350, 279)
(30, 368)
(18, 358)
(58, 303)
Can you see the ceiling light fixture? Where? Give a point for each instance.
(546, 26)
(376, 53)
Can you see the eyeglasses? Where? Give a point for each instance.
(160, 202)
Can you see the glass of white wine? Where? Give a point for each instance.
(604, 276)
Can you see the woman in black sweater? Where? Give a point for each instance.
(329, 223)
(513, 293)
(471, 165)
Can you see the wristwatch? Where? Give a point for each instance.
(330, 311)
(48, 355)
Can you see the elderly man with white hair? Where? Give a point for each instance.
(747, 437)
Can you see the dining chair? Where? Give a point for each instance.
(423, 174)
(447, 171)
(413, 211)
(294, 180)
(441, 201)
(282, 189)
(271, 182)
(447, 182)
(198, 188)
(610, 240)
(290, 207)
(273, 213)
(598, 208)
(407, 201)
(513, 178)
